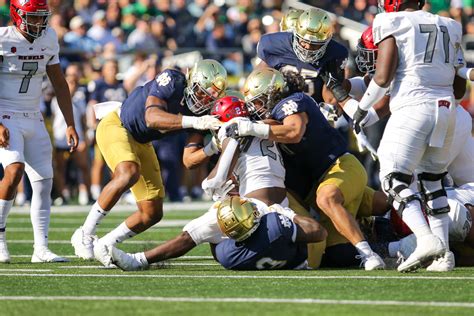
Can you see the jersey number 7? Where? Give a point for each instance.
(31, 67)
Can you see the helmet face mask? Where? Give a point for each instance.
(366, 52)
(30, 17)
(312, 35)
(262, 90)
(237, 218)
(206, 81)
(394, 5)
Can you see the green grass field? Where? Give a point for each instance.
(197, 285)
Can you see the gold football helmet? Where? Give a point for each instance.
(261, 90)
(312, 34)
(238, 218)
(206, 82)
(288, 22)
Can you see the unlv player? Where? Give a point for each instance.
(423, 117)
(29, 50)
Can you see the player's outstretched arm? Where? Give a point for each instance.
(292, 129)
(309, 230)
(195, 153)
(61, 89)
(174, 248)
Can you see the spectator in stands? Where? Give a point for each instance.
(80, 156)
(141, 39)
(77, 38)
(99, 30)
(85, 9)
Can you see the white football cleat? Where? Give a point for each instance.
(443, 264)
(428, 247)
(43, 254)
(83, 244)
(4, 254)
(128, 261)
(102, 254)
(407, 245)
(372, 262)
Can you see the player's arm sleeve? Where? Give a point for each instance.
(53, 41)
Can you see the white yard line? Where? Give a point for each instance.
(26, 270)
(69, 242)
(236, 300)
(168, 263)
(163, 223)
(217, 276)
(180, 258)
(167, 207)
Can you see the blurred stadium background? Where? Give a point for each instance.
(125, 43)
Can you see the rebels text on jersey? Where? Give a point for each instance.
(167, 86)
(308, 160)
(271, 246)
(427, 48)
(276, 51)
(101, 91)
(23, 66)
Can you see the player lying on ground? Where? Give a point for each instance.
(247, 235)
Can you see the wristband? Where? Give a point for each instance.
(350, 107)
(188, 121)
(464, 73)
(373, 94)
(208, 150)
(261, 130)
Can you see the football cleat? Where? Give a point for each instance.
(102, 254)
(372, 262)
(444, 264)
(4, 254)
(43, 254)
(83, 244)
(428, 247)
(128, 261)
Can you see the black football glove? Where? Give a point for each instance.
(334, 85)
(358, 119)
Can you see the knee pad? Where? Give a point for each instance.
(430, 196)
(393, 184)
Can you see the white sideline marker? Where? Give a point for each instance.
(26, 270)
(218, 276)
(235, 300)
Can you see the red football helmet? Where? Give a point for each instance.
(227, 108)
(366, 58)
(21, 10)
(394, 5)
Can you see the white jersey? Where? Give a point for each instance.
(460, 220)
(23, 66)
(428, 47)
(259, 165)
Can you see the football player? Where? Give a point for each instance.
(166, 104)
(307, 50)
(257, 165)
(262, 238)
(418, 131)
(319, 168)
(29, 51)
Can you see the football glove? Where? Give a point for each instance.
(216, 190)
(359, 119)
(205, 122)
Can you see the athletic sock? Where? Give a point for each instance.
(413, 217)
(5, 206)
(363, 248)
(40, 211)
(119, 234)
(93, 219)
(439, 225)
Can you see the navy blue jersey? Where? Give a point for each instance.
(169, 87)
(101, 91)
(271, 246)
(307, 161)
(276, 50)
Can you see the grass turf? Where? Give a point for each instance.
(196, 285)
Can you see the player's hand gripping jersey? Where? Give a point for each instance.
(428, 45)
(23, 66)
(169, 87)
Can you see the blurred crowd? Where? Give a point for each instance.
(110, 47)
